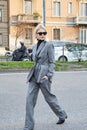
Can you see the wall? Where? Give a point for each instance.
(4, 24)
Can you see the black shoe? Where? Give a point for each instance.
(61, 121)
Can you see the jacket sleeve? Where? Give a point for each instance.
(51, 60)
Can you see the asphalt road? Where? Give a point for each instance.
(70, 89)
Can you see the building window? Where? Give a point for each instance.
(70, 7)
(0, 38)
(56, 8)
(28, 6)
(83, 36)
(28, 35)
(56, 34)
(83, 9)
(0, 15)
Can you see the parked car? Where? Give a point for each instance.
(69, 51)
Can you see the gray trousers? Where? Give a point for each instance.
(51, 99)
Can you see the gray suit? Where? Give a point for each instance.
(44, 65)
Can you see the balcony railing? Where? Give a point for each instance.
(81, 20)
(17, 19)
(62, 20)
(74, 20)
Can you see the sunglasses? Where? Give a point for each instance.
(40, 33)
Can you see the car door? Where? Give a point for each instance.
(74, 53)
(84, 52)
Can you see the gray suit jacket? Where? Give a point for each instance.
(44, 62)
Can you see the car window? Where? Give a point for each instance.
(72, 48)
(68, 46)
(76, 47)
(80, 47)
(84, 47)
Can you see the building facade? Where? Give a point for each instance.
(4, 28)
(65, 20)
(25, 15)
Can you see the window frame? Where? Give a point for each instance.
(70, 7)
(24, 9)
(28, 34)
(83, 9)
(1, 39)
(56, 36)
(1, 15)
(83, 36)
(57, 4)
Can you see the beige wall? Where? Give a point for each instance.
(66, 33)
(65, 25)
(15, 7)
(4, 24)
(64, 10)
(69, 31)
(37, 6)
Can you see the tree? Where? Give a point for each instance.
(19, 32)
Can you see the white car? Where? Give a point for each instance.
(70, 52)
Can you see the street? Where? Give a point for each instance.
(70, 89)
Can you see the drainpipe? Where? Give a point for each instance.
(8, 20)
(44, 12)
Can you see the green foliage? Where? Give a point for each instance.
(59, 66)
(36, 14)
(16, 65)
(67, 66)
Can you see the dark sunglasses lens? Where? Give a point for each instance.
(40, 33)
(44, 33)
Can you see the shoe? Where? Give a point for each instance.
(61, 121)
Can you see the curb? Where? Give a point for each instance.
(14, 70)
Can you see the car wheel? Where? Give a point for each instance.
(62, 58)
(9, 58)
